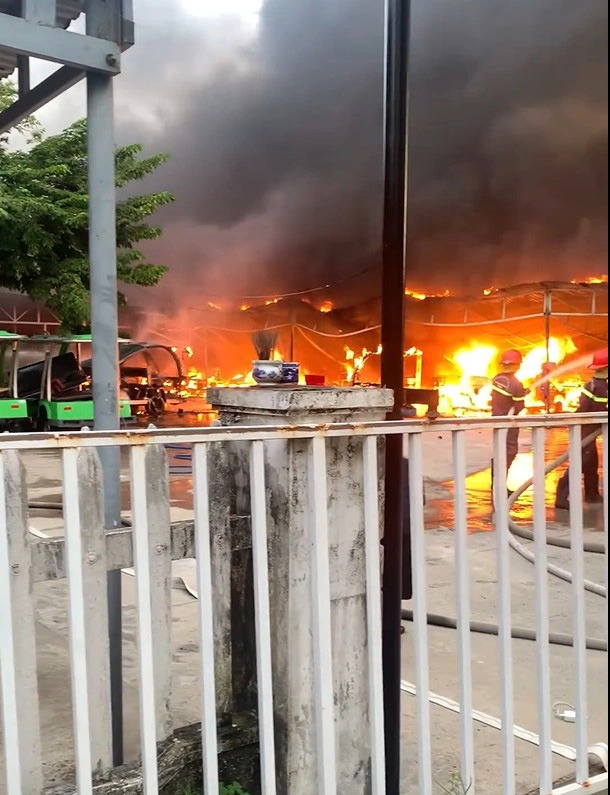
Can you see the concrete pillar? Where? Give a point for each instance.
(289, 564)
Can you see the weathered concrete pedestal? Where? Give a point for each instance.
(290, 575)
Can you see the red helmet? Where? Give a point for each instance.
(511, 357)
(600, 360)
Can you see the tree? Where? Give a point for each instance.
(30, 128)
(44, 219)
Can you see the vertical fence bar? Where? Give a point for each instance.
(78, 628)
(605, 488)
(542, 614)
(18, 668)
(95, 581)
(462, 582)
(321, 627)
(373, 613)
(205, 604)
(578, 603)
(504, 611)
(141, 555)
(420, 617)
(220, 560)
(262, 618)
(156, 479)
(10, 709)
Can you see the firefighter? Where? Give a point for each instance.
(508, 397)
(593, 398)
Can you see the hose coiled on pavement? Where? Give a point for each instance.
(520, 633)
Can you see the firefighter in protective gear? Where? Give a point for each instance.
(593, 398)
(508, 397)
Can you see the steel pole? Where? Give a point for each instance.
(105, 365)
(396, 516)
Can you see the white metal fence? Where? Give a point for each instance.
(151, 544)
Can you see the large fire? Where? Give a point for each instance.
(468, 393)
(476, 364)
(535, 359)
(546, 370)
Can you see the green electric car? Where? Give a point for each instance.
(56, 388)
(13, 408)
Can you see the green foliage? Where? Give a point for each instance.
(456, 786)
(225, 789)
(232, 789)
(44, 223)
(30, 128)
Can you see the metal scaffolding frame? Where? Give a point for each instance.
(38, 29)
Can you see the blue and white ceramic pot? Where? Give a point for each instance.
(267, 372)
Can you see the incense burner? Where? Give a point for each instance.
(267, 371)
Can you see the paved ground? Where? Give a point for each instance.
(43, 476)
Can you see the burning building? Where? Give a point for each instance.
(451, 343)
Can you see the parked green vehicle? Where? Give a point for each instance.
(13, 408)
(57, 389)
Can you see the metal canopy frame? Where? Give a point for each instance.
(39, 33)
(38, 29)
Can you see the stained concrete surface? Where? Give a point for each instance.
(44, 483)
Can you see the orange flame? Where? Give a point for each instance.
(422, 296)
(476, 366)
(327, 307)
(601, 279)
(354, 364)
(533, 361)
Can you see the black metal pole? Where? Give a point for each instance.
(396, 570)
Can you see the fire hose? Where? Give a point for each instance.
(519, 633)
(516, 530)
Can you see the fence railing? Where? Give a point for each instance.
(86, 552)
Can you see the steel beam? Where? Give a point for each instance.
(128, 32)
(62, 46)
(23, 75)
(104, 20)
(42, 12)
(35, 98)
(105, 365)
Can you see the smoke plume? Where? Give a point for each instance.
(276, 137)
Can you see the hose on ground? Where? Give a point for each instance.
(554, 541)
(555, 638)
(519, 633)
(517, 530)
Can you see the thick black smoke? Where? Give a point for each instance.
(276, 142)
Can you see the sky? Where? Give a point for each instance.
(272, 113)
